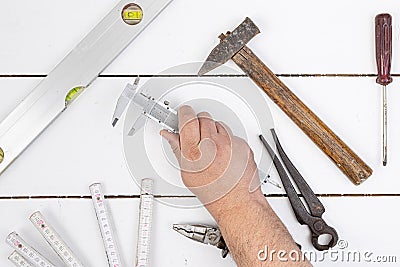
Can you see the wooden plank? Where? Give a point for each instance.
(75, 222)
(71, 141)
(297, 36)
(81, 146)
(352, 108)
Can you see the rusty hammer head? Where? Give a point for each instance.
(230, 45)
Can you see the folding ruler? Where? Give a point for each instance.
(28, 253)
(105, 225)
(145, 220)
(54, 240)
(75, 73)
(19, 260)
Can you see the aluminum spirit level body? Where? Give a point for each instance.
(75, 73)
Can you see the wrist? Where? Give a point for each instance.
(235, 203)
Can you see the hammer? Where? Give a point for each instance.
(233, 46)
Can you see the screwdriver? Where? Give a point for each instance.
(383, 43)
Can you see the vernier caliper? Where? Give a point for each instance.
(75, 73)
(157, 111)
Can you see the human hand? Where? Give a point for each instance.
(216, 166)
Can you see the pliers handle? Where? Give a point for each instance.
(204, 234)
(313, 218)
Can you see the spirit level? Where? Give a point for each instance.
(75, 73)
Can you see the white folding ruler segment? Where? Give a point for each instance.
(19, 260)
(76, 72)
(105, 224)
(29, 253)
(54, 240)
(145, 221)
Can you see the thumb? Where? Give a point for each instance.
(173, 140)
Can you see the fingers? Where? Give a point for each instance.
(189, 128)
(173, 140)
(223, 129)
(207, 125)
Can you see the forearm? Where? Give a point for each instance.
(250, 226)
(219, 168)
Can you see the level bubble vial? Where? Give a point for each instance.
(132, 14)
(73, 94)
(1, 155)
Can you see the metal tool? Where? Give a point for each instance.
(105, 225)
(124, 100)
(318, 227)
(313, 217)
(29, 253)
(19, 260)
(383, 43)
(77, 71)
(145, 221)
(204, 234)
(233, 46)
(157, 111)
(167, 117)
(54, 240)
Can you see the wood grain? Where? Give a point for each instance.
(344, 157)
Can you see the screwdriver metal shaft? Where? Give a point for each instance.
(383, 43)
(384, 125)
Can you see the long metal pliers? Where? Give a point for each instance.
(313, 217)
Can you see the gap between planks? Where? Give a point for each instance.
(176, 76)
(183, 196)
(186, 76)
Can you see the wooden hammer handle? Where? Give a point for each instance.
(312, 126)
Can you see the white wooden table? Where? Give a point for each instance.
(325, 51)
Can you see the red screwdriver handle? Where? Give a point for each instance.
(383, 42)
